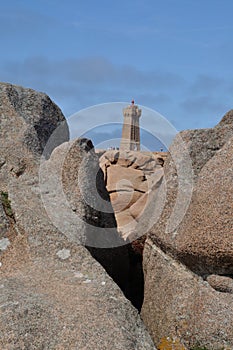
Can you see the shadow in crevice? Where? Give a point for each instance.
(124, 266)
(122, 262)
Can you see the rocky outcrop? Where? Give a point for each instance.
(190, 259)
(54, 295)
(28, 118)
(208, 249)
(130, 178)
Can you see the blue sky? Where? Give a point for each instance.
(174, 56)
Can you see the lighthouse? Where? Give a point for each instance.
(130, 140)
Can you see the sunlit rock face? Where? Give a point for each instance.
(130, 177)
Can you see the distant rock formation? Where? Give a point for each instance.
(188, 270)
(130, 177)
(53, 294)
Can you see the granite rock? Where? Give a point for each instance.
(27, 121)
(129, 178)
(179, 304)
(192, 241)
(204, 238)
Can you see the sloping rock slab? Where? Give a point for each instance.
(66, 303)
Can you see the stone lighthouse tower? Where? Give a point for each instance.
(130, 139)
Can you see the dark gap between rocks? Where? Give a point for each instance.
(124, 266)
(123, 263)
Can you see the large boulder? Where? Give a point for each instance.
(27, 120)
(189, 153)
(204, 238)
(184, 308)
(192, 242)
(54, 294)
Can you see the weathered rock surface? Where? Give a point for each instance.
(181, 253)
(221, 283)
(53, 294)
(208, 248)
(28, 118)
(204, 143)
(180, 305)
(130, 176)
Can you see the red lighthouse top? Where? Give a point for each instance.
(132, 102)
